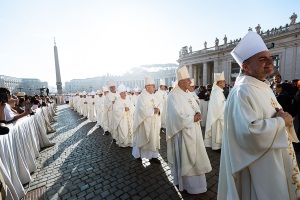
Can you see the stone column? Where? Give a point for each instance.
(191, 70)
(195, 75)
(216, 66)
(204, 76)
(224, 69)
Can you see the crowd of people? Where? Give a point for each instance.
(13, 108)
(251, 124)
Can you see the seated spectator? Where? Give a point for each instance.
(13, 101)
(43, 101)
(207, 94)
(201, 94)
(9, 114)
(3, 130)
(284, 99)
(36, 104)
(20, 107)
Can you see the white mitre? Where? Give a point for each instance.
(111, 83)
(162, 82)
(251, 44)
(99, 92)
(121, 88)
(137, 89)
(192, 82)
(219, 77)
(182, 73)
(149, 80)
(128, 89)
(92, 93)
(105, 89)
(84, 93)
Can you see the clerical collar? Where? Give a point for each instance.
(253, 81)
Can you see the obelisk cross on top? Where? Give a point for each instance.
(57, 70)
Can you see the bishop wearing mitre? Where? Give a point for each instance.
(123, 108)
(147, 124)
(215, 114)
(186, 152)
(91, 107)
(109, 101)
(162, 96)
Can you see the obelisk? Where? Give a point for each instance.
(58, 78)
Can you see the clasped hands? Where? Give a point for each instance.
(126, 109)
(288, 119)
(197, 117)
(156, 110)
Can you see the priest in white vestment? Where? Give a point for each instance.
(109, 101)
(80, 104)
(75, 99)
(191, 91)
(257, 158)
(147, 124)
(122, 119)
(99, 100)
(186, 152)
(134, 97)
(91, 107)
(104, 117)
(71, 102)
(214, 121)
(128, 96)
(162, 96)
(84, 104)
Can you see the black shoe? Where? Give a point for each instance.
(139, 159)
(114, 140)
(154, 160)
(106, 132)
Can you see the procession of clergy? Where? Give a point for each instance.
(135, 120)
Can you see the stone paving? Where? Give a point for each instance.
(80, 166)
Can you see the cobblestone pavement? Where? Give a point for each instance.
(80, 166)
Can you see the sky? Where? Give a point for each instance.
(96, 37)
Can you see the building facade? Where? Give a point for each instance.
(28, 85)
(135, 77)
(12, 83)
(283, 43)
(33, 86)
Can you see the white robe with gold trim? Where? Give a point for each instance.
(123, 122)
(187, 156)
(108, 124)
(91, 109)
(257, 160)
(146, 127)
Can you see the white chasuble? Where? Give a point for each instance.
(257, 159)
(146, 127)
(187, 156)
(99, 107)
(84, 107)
(123, 122)
(108, 124)
(91, 109)
(214, 121)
